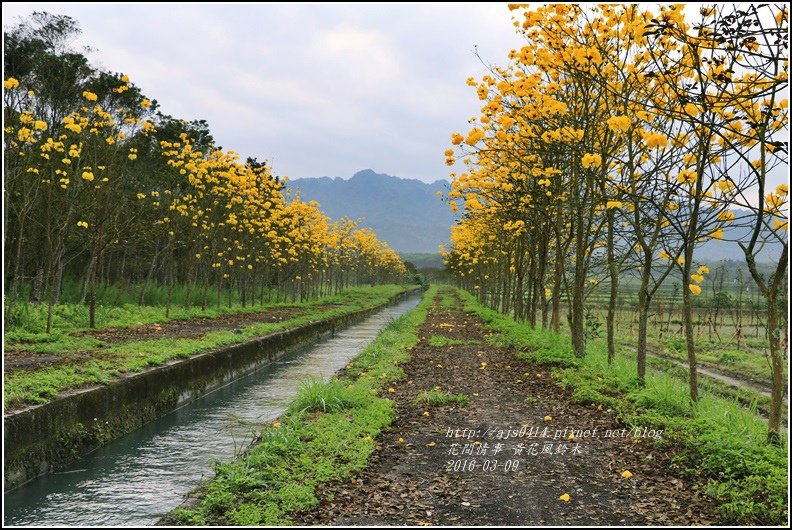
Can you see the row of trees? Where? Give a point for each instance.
(620, 140)
(101, 186)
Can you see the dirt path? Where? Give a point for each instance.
(421, 472)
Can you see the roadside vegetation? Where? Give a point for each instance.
(78, 361)
(716, 438)
(327, 434)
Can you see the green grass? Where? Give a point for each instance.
(71, 318)
(438, 341)
(42, 385)
(316, 395)
(718, 440)
(447, 300)
(437, 397)
(327, 434)
(724, 358)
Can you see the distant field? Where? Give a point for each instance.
(423, 260)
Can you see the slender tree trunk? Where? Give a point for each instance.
(16, 277)
(53, 292)
(169, 281)
(92, 292)
(777, 366)
(149, 277)
(558, 274)
(687, 317)
(578, 318)
(644, 301)
(614, 291)
(86, 284)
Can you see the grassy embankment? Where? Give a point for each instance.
(99, 362)
(720, 441)
(327, 434)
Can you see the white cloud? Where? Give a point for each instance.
(320, 89)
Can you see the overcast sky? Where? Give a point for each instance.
(317, 89)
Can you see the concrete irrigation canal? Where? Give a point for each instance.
(138, 478)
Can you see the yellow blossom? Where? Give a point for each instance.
(716, 234)
(726, 216)
(619, 123)
(591, 160)
(654, 140)
(687, 176)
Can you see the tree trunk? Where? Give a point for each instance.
(556, 294)
(643, 320)
(614, 291)
(92, 292)
(777, 366)
(147, 282)
(687, 317)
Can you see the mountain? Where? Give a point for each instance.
(714, 250)
(406, 213)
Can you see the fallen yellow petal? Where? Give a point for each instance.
(430, 444)
(426, 413)
(626, 474)
(277, 424)
(391, 390)
(548, 418)
(564, 497)
(401, 440)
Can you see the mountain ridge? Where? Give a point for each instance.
(406, 213)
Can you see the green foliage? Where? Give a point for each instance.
(438, 398)
(593, 328)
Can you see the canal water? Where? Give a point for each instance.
(138, 478)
